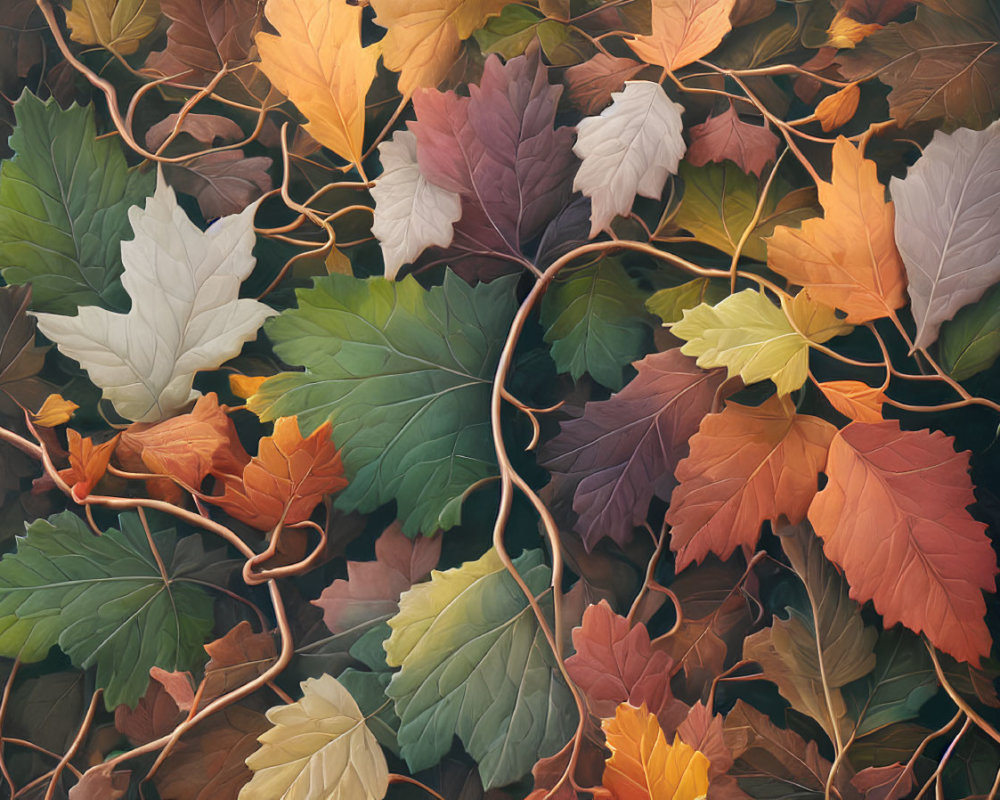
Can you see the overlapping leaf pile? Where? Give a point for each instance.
(553, 399)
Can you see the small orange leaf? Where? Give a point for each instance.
(54, 411)
(683, 31)
(286, 480)
(236, 659)
(244, 386)
(87, 463)
(643, 766)
(838, 109)
(844, 31)
(854, 399)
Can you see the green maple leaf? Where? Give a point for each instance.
(105, 602)
(404, 375)
(64, 199)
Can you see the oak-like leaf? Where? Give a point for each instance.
(726, 136)
(931, 561)
(623, 450)
(848, 259)
(683, 31)
(318, 748)
(746, 465)
(630, 148)
(186, 313)
(948, 225)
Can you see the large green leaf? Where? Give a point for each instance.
(970, 342)
(404, 375)
(595, 321)
(475, 663)
(64, 199)
(104, 601)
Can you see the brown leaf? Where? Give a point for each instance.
(877, 11)
(884, 783)
(158, 710)
(746, 12)
(20, 359)
(102, 782)
(205, 128)
(236, 659)
(223, 183)
(589, 766)
(591, 83)
(704, 732)
(726, 136)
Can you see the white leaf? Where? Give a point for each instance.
(320, 748)
(411, 213)
(629, 149)
(948, 225)
(185, 314)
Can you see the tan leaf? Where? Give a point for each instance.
(116, 25)
(683, 31)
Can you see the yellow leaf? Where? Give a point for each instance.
(424, 36)
(643, 766)
(54, 411)
(845, 31)
(116, 25)
(754, 339)
(246, 385)
(683, 31)
(318, 62)
(319, 749)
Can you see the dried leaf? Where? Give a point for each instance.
(87, 463)
(101, 782)
(222, 183)
(891, 782)
(157, 712)
(236, 659)
(591, 84)
(726, 136)
(683, 31)
(839, 108)
(206, 128)
(116, 25)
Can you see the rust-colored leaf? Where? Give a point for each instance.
(102, 782)
(591, 83)
(236, 659)
(854, 399)
(87, 463)
(159, 709)
(726, 136)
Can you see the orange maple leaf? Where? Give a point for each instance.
(854, 399)
(87, 463)
(286, 480)
(848, 259)
(746, 465)
(683, 31)
(643, 766)
(893, 517)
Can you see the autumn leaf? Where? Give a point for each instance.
(837, 109)
(286, 480)
(116, 25)
(55, 411)
(20, 359)
(726, 136)
(146, 360)
(623, 450)
(683, 31)
(87, 463)
(236, 659)
(754, 338)
(848, 259)
(223, 183)
(643, 766)
(158, 710)
(630, 148)
(317, 747)
(205, 128)
(932, 560)
(951, 251)
(703, 731)
(591, 84)
(746, 465)
(102, 782)
(853, 399)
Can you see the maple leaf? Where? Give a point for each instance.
(643, 766)
(185, 315)
(623, 450)
(500, 151)
(948, 225)
(859, 401)
(87, 463)
(318, 746)
(615, 663)
(754, 338)
(630, 148)
(116, 25)
(683, 31)
(423, 39)
(726, 136)
(236, 659)
(187, 447)
(372, 589)
(286, 480)
(838, 108)
(746, 465)
(848, 259)
(591, 84)
(411, 213)
(931, 558)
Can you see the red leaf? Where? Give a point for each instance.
(591, 83)
(893, 517)
(623, 450)
(746, 465)
(615, 663)
(236, 659)
(87, 463)
(726, 136)
(286, 480)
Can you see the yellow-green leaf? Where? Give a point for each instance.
(117, 25)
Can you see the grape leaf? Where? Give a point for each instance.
(116, 25)
(932, 559)
(683, 31)
(61, 234)
(630, 148)
(754, 338)
(403, 374)
(726, 136)
(475, 663)
(746, 465)
(185, 314)
(948, 225)
(623, 450)
(318, 747)
(317, 60)
(411, 213)
(593, 317)
(105, 601)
